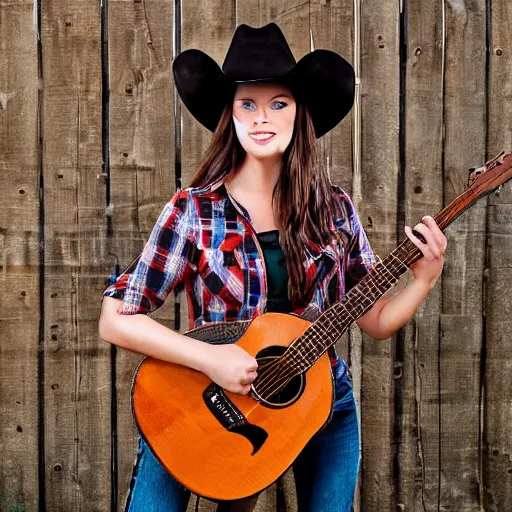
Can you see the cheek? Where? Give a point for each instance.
(286, 121)
(288, 126)
(291, 118)
(241, 129)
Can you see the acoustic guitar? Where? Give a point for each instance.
(226, 446)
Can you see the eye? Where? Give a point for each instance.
(278, 105)
(249, 105)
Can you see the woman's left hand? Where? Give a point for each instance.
(428, 268)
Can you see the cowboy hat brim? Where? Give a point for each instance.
(202, 86)
(323, 80)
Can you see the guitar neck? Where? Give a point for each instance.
(333, 322)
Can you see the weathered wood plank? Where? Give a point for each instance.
(77, 363)
(142, 175)
(497, 445)
(416, 406)
(207, 26)
(79, 253)
(19, 257)
(378, 213)
(461, 340)
(332, 28)
(19, 332)
(464, 107)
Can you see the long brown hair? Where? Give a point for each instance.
(303, 201)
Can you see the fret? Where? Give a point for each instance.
(373, 279)
(393, 277)
(308, 343)
(320, 334)
(360, 293)
(350, 311)
(378, 279)
(399, 267)
(331, 325)
(341, 316)
(399, 262)
(369, 290)
(312, 342)
(396, 264)
(388, 281)
(358, 308)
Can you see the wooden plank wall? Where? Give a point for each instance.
(462, 302)
(20, 300)
(497, 419)
(416, 367)
(93, 143)
(76, 364)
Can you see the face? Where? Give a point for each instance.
(264, 115)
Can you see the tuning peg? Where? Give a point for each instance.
(498, 190)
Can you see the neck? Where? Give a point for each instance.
(256, 176)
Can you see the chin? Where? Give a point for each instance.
(263, 152)
(266, 155)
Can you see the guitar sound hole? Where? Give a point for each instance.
(284, 397)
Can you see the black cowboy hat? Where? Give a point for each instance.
(323, 80)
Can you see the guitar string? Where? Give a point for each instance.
(283, 361)
(271, 386)
(303, 365)
(276, 382)
(269, 377)
(272, 383)
(281, 364)
(297, 367)
(300, 364)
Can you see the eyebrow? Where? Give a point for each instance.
(278, 96)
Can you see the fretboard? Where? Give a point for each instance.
(333, 322)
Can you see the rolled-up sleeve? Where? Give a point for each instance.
(164, 262)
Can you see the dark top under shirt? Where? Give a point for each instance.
(277, 273)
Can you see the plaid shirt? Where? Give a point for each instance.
(203, 240)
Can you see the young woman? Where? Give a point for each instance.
(261, 229)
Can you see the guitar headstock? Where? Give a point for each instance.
(492, 176)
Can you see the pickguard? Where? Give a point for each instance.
(231, 418)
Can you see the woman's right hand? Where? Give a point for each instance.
(230, 366)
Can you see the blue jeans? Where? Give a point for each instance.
(325, 471)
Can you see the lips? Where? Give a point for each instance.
(261, 137)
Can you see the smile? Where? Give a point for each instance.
(262, 137)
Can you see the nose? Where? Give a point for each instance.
(261, 116)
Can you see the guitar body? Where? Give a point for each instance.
(223, 445)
